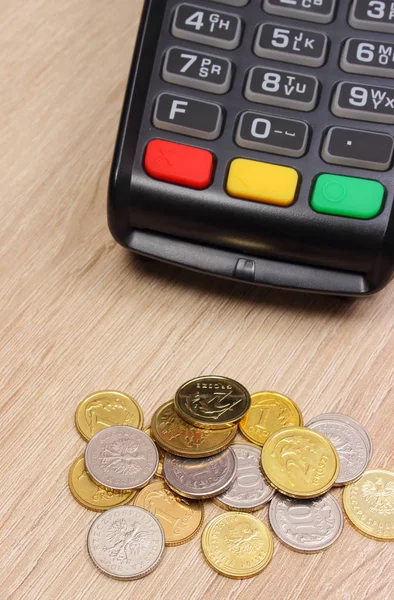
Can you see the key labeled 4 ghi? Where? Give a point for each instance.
(368, 58)
(317, 11)
(197, 24)
(282, 88)
(364, 102)
(197, 70)
(291, 44)
(269, 133)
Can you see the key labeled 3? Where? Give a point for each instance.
(291, 44)
(197, 70)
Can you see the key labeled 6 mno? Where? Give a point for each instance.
(368, 58)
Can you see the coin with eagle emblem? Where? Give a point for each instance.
(212, 402)
(126, 542)
(237, 545)
(121, 458)
(369, 504)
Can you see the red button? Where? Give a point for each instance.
(180, 164)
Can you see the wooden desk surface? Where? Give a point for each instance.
(79, 314)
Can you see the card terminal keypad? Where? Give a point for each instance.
(296, 87)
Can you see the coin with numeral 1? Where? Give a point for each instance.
(306, 525)
(212, 402)
(250, 490)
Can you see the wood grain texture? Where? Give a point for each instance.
(79, 314)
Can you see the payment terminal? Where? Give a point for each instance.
(256, 142)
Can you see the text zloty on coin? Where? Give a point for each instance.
(200, 477)
(351, 446)
(181, 519)
(121, 458)
(182, 439)
(269, 412)
(106, 409)
(346, 419)
(306, 525)
(126, 542)
(237, 545)
(369, 504)
(90, 495)
(299, 462)
(250, 490)
(212, 402)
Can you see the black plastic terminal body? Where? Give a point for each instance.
(209, 231)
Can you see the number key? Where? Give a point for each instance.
(317, 11)
(197, 70)
(364, 102)
(372, 15)
(290, 44)
(196, 24)
(368, 58)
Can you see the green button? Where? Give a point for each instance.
(347, 196)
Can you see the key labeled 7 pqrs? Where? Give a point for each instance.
(197, 70)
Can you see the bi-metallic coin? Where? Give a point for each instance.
(90, 495)
(306, 525)
(212, 402)
(200, 478)
(350, 440)
(250, 490)
(106, 409)
(121, 458)
(180, 518)
(237, 545)
(269, 412)
(369, 504)
(176, 436)
(299, 462)
(126, 542)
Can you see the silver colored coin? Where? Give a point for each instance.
(306, 525)
(346, 419)
(250, 490)
(121, 458)
(350, 443)
(126, 542)
(200, 478)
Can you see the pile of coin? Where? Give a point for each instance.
(189, 454)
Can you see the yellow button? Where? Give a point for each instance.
(262, 182)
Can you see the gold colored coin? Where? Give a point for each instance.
(269, 412)
(105, 409)
(300, 462)
(212, 402)
(181, 519)
(237, 545)
(90, 495)
(369, 504)
(178, 437)
(159, 472)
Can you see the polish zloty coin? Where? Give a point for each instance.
(306, 525)
(350, 443)
(180, 518)
(346, 419)
(106, 409)
(369, 504)
(90, 495)
(237, 545)
(269, 412)
(250, 490)
(200, 478)
(212, 402)
(159, 472)
(121, 458)
(299, 462)
(126, 542)
(182, 439)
